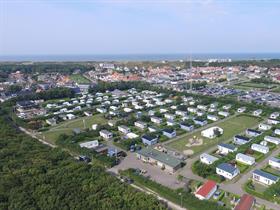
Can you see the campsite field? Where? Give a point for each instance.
(231, 127)
(66, 127)
(79, 79)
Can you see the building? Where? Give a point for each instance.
(51, 121)
(240, 140)
(226, 170)
(246, 202)
(274, 115)
(253, 133)
(212, 132)
(257, 112)
(140, 124)
(101, 110)
(226, 148)
(212, 117)
(224, 114)
(169, 132)
(264, 127)
(200, 122)
(260, 148)
(277, 131)
(207, 159)
(149, 139)
(152, 129)
(186, 126)
(124, 129)
(274, 162)
(169, 116)
(264, 177)
(156, 120)
(90, 144)
(273, 140)
(160, 159)
(206, 191)
(273, 121)
(106, 134)
(70, 116)
(241, 109)
(245, 159)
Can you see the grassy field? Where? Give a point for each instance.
(231, 127)
(250, 85)
(79, 78)
(66, 127)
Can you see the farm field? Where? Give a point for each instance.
(66, 127)
(79, 78)
(231, 127)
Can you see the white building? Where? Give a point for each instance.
(207, 159)
(245, 159)
(101, 110)
(169, 116)
(260, 148)
(123, 129)
(212, 117)
(202, 107)
(206, 191)
(90, 144)
(226, 148)
(277, 131)
(264, 177)
(273, 140)
(241, 109)
(156, 120)
(274, 115)
(273, 121)
(210, 132)
(140, 124)
(274, 162)
(222, 113)
(257, 112)
(264, 127)
(106, 134)
(226, 170)
(70, 116)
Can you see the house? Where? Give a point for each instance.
(264, 127)
(169, 132)
(214, 105)
(273, 140)
(212, 110)
(253, 133)
(152, 129)
(171, 122)
(212, 132)
(224, 114)
(90, 144)
(260, 148)
(151, 113)
(212, 117)
(70, 116)
(246, 202)
(226, 148)
(200, 122)
(227, 106)
(111, 123)
(192, 109)
(101, 110)
(51, 121)
(257, 112)
(162, 110)
(202, 107)
(206, 191)
(88, 114)
(245, 159)
(273, 121)
(124, 129)
(207, 159)
(169, 116)
(156, 120)
(240, 140)
(106, 134)
(160, 159)
(140, 124)
(274, 162)
(127, 110)
(131, 135)
(200, 113)
(227, 170)
(274, 115)
(186, 126)
(264, 177)
(241, 109)
(277, 131)
(149, 139)
(181, 113)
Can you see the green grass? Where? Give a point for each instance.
(231, 127)
(66, 127)
(79, 78)
(271, 170)
(257, 85)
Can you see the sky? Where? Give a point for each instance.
(45, 27)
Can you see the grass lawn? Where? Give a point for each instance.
(79, 78)
(231, 127)
(242, 167)
(67, 126)
(256, 85)
(272, 170)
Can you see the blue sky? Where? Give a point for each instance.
(29, 27)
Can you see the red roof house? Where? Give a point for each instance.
(246, 203)
(206, 190)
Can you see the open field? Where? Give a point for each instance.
(253, 85)
(66, 127)
(231, 127)
(79, 78)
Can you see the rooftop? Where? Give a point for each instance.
(206, 188)
(266, 175)
(245, 203)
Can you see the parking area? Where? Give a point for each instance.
(153, 172)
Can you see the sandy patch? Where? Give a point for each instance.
(188, 152)
(194, 142)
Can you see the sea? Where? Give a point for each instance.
(142, 57)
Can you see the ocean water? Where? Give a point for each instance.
(142, 57)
